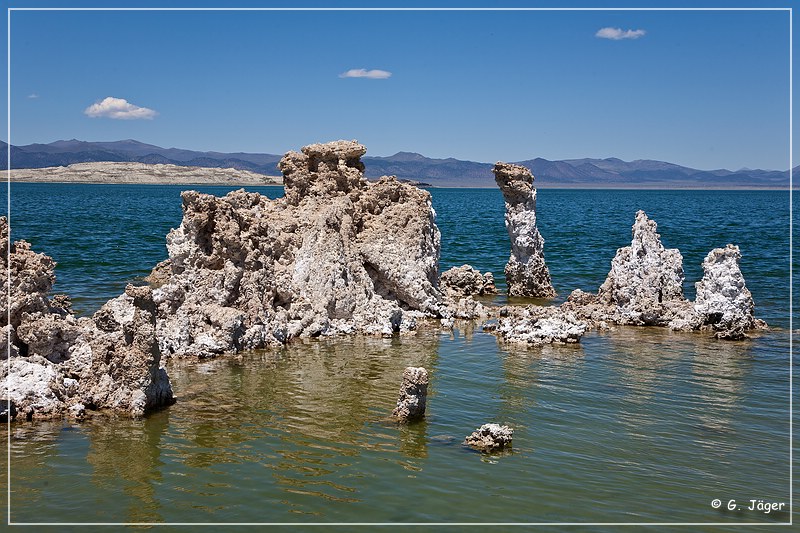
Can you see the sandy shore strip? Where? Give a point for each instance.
(141, 173)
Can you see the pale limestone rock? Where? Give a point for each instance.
(335, 255)
(526, 271)
(536, 326)
(34, 385)
(413, 394)
(490, 437)
(466, 281)
(60, 364)
(723, 301)
(645, 278)
(125, 372)
(645, 287)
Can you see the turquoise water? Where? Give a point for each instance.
(632, 425)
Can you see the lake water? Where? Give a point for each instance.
(631, 425)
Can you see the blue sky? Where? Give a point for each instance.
(705, 89)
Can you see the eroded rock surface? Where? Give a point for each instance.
(63, 365)
(526, 271)
(335, 255)
(413, 394)
(466, 281)
(490, 437)
(645, 288)
(645, 280)
(723, 302)
(535, 326)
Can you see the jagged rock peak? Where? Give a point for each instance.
(526, 271)
(723, 301)
(336, 255)
(645, 277)
(323, 169)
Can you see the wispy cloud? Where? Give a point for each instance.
(374, 74)
(33, 96)
(617, 34)
(118, 108)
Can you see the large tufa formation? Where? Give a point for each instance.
(526, 271)
(723, 302)
(58, 364)
(645, 280)
(645, 288)
(335, 255)
(413, 394)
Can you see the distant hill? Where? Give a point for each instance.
(602, 173)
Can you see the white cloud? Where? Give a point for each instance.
(33, 96)
(118, 108)
(617, 34)
(374, 74)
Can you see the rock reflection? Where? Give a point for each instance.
(696, 379)
(126, 456)
(314, 407)
(720, 371)
(33, 450)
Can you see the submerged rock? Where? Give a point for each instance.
(723, 302)
(61, 365)
(490, 437)
(413, 394)
(335, 255)
(526, 271)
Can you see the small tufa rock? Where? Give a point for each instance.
(526, 271)
(413, 394)
(536, 326)
(466, 281)
(723, 301)
(490, 437)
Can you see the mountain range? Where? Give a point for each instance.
(578, 173)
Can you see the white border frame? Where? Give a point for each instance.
(791, 166)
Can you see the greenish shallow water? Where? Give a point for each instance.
(632, 425)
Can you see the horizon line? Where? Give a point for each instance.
(745, 168)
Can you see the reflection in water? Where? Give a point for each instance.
(129, 458)
(33, 447)
(325, 403)
(720, 376)
(643, 424)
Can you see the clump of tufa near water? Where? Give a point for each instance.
(490, 437)
(335, 255)
(645, 288)
(57, 364)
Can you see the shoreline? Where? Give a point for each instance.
(622, 187)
